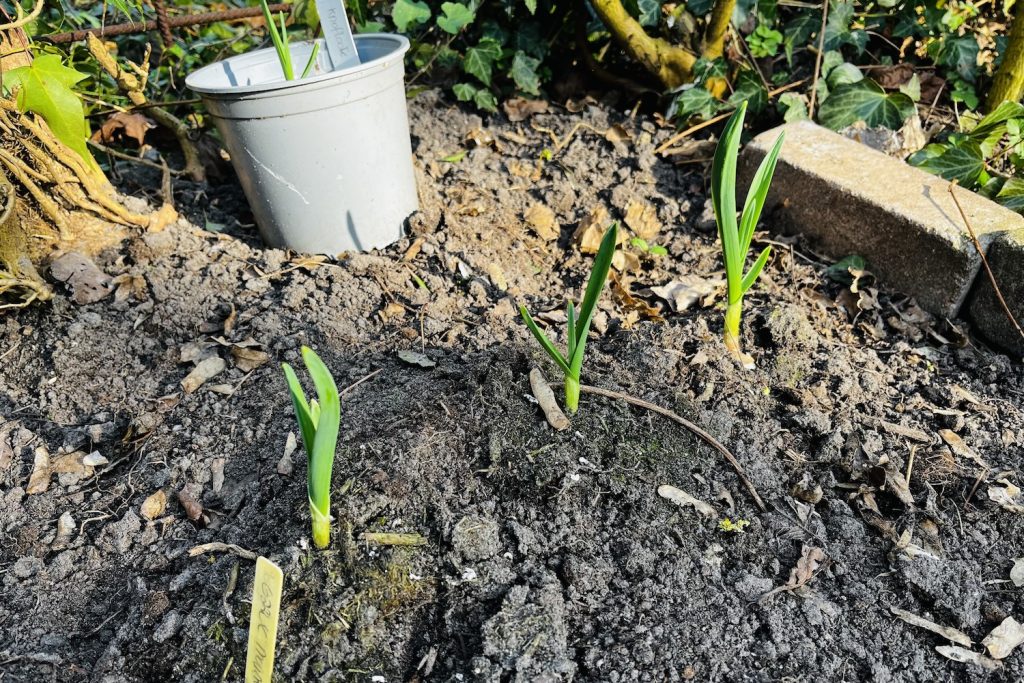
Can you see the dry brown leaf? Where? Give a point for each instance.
(44, 467)
(39, 481)
(392, 311)
(129, 285)
(626, 300)
(684, 499)
(687, 290)
(1004, 638)
(617, 134)
(642, 219)
(810, 559)
(285, 466)
(121, 125)
(959, 448)
(519, 109)
(154, 505)
(542, 219)
(230, 321)
(1006, 496)
(193, 508)
(206, 369)
(625, 261)
(530, 171)
(479, 137)
(88, 283)
(247, 359)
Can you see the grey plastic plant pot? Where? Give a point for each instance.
(325, 161)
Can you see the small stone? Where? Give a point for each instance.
(169, 627)
(94, 459)
(65, 525)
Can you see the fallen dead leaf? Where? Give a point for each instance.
(1005, 496)
(217, 474)
(519, 109)
(687, 290)
(959, 654)
(542, 219)
(684, 499)
(625, 261)
(617, 134)
(949, 633)
(497, 276)
(193, 508)
(392, 311)
(128, 285)
(642, 219)
(1004, 638)
(39, 480)
(531, 171)
(959, 448)
(805, 569)
(230, 321)
(415, 358)
(120, 125)
(154, 505)
(247, 359)
(1017, 573)
(44, 467)
(88, 283)
(625, 299)
(206, 369)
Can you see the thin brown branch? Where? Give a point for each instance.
(714, 443)
(984, 261)
(817, 60)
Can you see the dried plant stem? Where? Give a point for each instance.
(817, 60)
(711, 441)
(984, 261)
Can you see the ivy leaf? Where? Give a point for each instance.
(650, 12)
(44, 88)
(409, 13)
(799, 31)
(963, 162)
(485, 100)
(524, 73)
(749, 89)
(991, 129)
(464, 92)
(456, 17)
(844, 74)
(864, 101)
(696, 101)
(480, 59)
(793, 107)
(531, 5)
(837, 28)
(959, 52)
(1012, 195)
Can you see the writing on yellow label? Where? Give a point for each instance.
(266, 607)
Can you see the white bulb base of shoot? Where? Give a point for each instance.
(736, 236)
(319, 422)
(577, 328)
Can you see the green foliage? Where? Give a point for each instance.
(279, 36)
(577, 328)
(764, 41)
(407, 14)
(865, 101)
(737, 236)
(44, 88)
(985, 156)
(319, 422)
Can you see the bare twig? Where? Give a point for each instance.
(355, 384)
(217, 547)
(714, 443)
(817, 60)
(984, 261)
(546, 399)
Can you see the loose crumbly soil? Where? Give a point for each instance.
(548, 556)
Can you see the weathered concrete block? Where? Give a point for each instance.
(852, 199)
(1006, 258)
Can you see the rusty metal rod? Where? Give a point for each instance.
(173, 22)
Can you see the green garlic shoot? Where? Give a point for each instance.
(736, 237)
(578, 327)
(279, 36)
(319, 422)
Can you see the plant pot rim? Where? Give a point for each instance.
(193, 81)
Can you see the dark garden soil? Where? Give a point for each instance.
(548, 556)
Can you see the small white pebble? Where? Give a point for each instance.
(469, 574)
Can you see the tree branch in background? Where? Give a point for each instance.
(673, 65)
(1008, 83)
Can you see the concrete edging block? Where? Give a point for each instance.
(851, 199)
(1006, 258)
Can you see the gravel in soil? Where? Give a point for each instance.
(878, 437)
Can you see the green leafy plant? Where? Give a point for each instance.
(279, 36)
(577, 328)
(736, 237)
(319, 422)
(44, 87)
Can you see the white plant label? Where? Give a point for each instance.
(341, 46)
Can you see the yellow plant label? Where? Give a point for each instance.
(266, 608)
